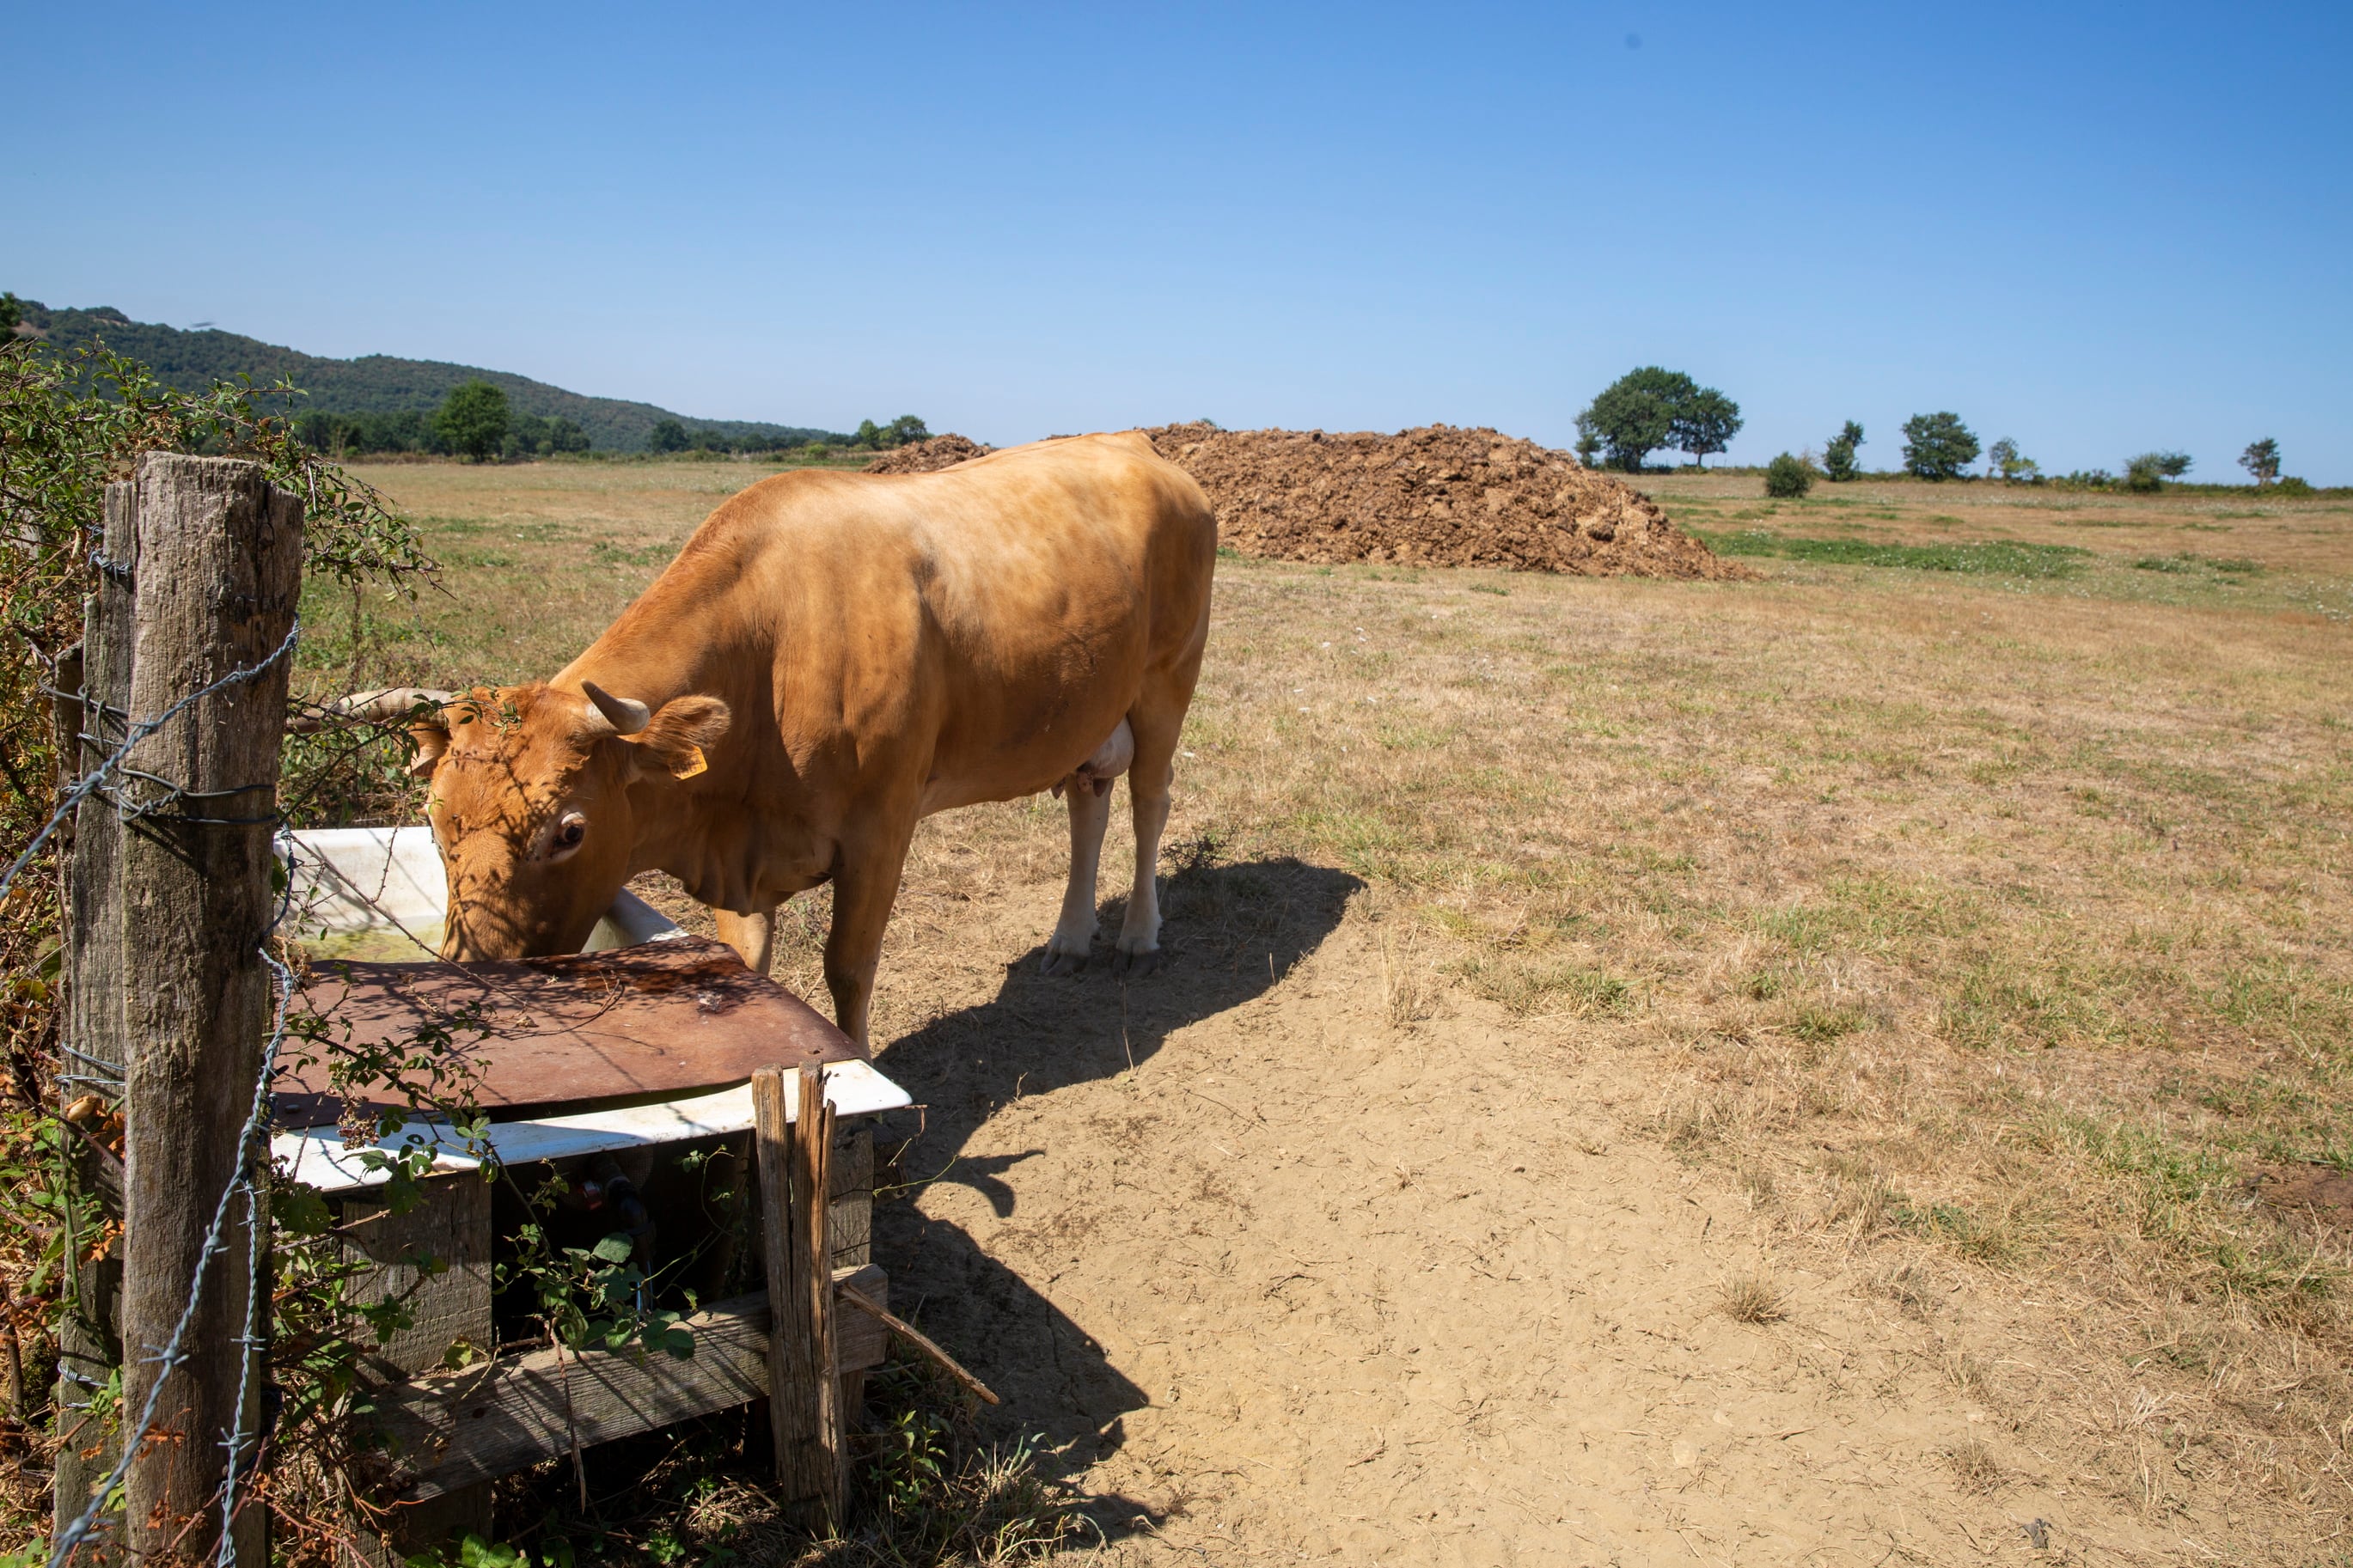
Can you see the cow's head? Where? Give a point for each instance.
(537, 801)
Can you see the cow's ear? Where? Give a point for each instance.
(432, 740)
(673, 740)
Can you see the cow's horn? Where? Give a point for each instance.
(626, 717)
(392, 703)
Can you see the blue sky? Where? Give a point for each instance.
(2098, 229)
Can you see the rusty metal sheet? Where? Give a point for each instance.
(539, 1037)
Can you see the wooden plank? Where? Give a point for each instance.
(459, 1429)
(793, 1173)
(824, 1460)
(436, 1260)
(220, 569)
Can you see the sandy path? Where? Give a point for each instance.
(1303, 1284)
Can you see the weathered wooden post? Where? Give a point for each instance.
(218, 574)
(804, 1394)
(95, 1049)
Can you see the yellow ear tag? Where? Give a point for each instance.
(694, 765)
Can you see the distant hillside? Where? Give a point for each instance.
(375, 383)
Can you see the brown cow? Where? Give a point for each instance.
(830, 658)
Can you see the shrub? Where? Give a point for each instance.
(1938, 446)
(2292, 486)
(1788, 478)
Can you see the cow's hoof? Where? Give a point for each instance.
(1062, 963)
(1134, 965)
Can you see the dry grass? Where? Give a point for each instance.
(1754, 1298)
(1997, 925)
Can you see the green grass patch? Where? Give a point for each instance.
(2185, 560)
(1988, 559)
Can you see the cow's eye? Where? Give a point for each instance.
(570, 832)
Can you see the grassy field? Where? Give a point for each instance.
(1970, 893)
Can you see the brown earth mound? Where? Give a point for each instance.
(927, 456)
(1437, 496)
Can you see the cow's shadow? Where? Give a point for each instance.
(1230, 932)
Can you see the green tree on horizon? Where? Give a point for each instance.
(1706, 423)
(1652, 406)
(1938, 446)
(1838, 453)
(2261, 460)
(473, 419)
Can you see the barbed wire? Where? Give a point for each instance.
(89, 784)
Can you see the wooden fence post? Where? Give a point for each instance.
(804, 1391)
(87, 1347)
(220, 572)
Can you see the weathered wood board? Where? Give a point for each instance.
(458, 1429)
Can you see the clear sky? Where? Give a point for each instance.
(2096, 228)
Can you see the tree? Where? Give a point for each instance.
(1652, 407)
(2004, 461)
(1937, 446)
(2150, 470)
(2261, 459)
(1838, 453)
(12, 312)
(472, 419)
(904, 429)
(667, 436)
(1788, 478)
(1706, 423)
(1588, 440)
(869, 435)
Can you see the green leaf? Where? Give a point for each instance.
(617, 1249)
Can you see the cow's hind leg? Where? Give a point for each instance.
(753, 936)
(1157, 721)
(1074, 934)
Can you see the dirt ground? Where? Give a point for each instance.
(1303, 1284)
(1746, 1072)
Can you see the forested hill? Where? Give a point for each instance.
(375, 383)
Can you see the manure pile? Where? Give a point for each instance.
(1438, 496)
(927, 456)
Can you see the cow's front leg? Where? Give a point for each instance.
(864, 886)
(1074, 934)
(753, 936)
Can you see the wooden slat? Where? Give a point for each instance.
(794, 1175)
(436, 1259)
(457, 1429)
